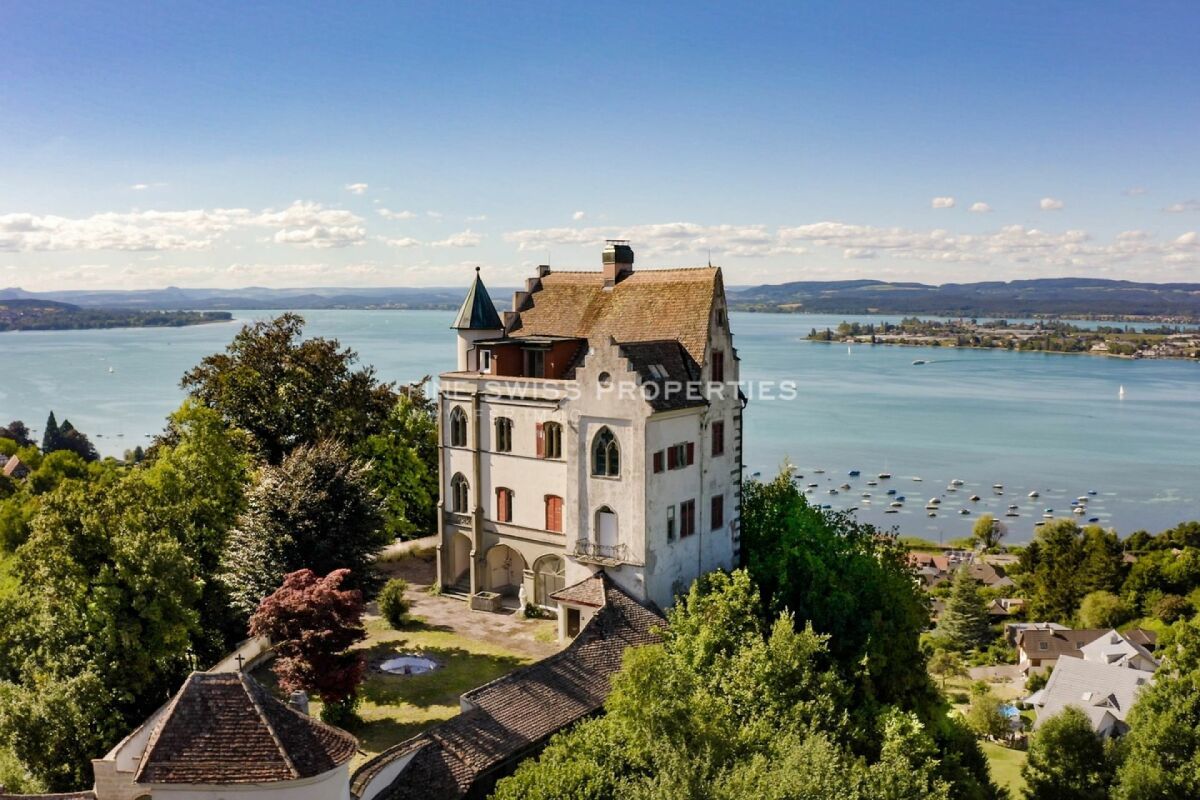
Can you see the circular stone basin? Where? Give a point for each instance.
(409, 665)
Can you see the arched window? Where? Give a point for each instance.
(549, 577)
(504, 498)
(459, 489)
(552, 432)
(458, 427)
(606, 458)
(503, 434)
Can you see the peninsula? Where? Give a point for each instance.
(1164, 341)
(49, 315)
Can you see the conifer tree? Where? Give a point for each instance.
(964, 624)
(50, 437)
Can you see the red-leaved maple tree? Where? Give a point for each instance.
(312, 623)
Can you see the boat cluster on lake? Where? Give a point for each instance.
(910, 495)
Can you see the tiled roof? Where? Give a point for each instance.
(224, 728)
(1058, 642)
(514, 715)
(12, 464)
(679, 371)
(588, 592)
(1097, 689)
(645, 306)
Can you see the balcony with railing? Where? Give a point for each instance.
(607, 555)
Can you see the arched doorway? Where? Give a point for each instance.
(549, 576)
(505, 570)
(606, 535)
(460, 560)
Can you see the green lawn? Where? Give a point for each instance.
(396, 707)
(1006, 767)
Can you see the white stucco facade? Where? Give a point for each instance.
(622, 522)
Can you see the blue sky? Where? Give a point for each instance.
(297, 144)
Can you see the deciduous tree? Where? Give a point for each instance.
(1067, 761)
(312, 623)
(314, 511)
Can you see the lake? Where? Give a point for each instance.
(1051, 423)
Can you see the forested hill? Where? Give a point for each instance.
(1041, 297)
(1045, 296)
(47, 315)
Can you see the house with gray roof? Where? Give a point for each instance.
(1104, 692)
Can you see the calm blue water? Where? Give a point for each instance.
(1030, 421)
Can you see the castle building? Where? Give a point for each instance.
(596, 425)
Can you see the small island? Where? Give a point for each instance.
(49, 315)
(1164, 341)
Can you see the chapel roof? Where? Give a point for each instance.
(225, 728)
(477, 313)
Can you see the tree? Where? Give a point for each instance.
(75, 441)
(393, 605)
(729, 706)
(287, 392)
(1057, 585)
(18, 432)
(1162, 748)
(312, 623)
(983, 714)
(1101, 609)
(845, 578)
(315, 510)
(404, 464)
(964, 624)
(1101, 565)
(988, 531)
(1067, 761)
(50, 435)
(946, 664)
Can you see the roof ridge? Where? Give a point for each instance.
(152, 741)
(245, 681)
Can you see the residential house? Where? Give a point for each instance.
(1006, 606)
(1013, 629)
(1121, 651)
(989, 575)
(1041, 647)
(15, 468)
(598, 424)
(1104, 692)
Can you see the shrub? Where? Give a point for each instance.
(392, 602)
(342, 714)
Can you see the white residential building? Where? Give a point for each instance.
(596, 425)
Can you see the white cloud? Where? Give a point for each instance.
(140, 187)
(1185, 206)
(942, 202)
(467, 238)
(578, 215)
(433, 214)
(1051, 204)
(389, 214)
(478, 218)
(403, 241)
(1136, 191)
(357, 188)
(304, 223)
(980, 208)
(669, 239)
(858, 252)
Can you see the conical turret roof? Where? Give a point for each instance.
(477, 312)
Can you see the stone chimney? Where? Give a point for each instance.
(299, 701)
(618, 261)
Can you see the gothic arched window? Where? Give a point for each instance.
(459, 489)
(606, 457)
(458, 427)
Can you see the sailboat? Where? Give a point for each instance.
(1121, 392)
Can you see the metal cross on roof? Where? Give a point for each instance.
(241, 659)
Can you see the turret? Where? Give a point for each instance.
(476, 320)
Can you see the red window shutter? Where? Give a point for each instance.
(658, 461)
(503, 512)
(691, 453)
(672, 454)
(541, 441)
(553, 513)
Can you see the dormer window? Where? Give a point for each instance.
(606, 457)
